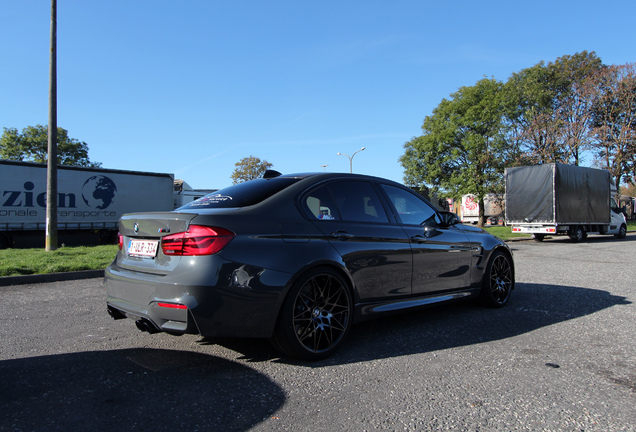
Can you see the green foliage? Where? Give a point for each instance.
(463, 149)
(249, 168)
(31, 145)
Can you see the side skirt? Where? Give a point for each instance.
(368, 310)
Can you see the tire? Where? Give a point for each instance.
(315, 317)
(622, 232)
(498, 281)
(538, 237)
(577, 234)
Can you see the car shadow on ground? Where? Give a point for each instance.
(134, 389)
(463, 323)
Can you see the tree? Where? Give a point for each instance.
(249, 168)
(31, 145)
(463, 149)
(615, 121)
(529, 102)
(550, 108)
(576, 80)
(628, 189)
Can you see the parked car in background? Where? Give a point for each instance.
(298, 259)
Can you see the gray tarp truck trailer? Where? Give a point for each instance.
(90, 202)
(553, 199)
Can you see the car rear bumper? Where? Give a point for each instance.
(240, 301)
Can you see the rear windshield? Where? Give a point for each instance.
(242, 194)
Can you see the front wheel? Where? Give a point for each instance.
(622, 232)
(498, 281)
(316, 316)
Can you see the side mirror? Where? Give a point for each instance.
(450, 218)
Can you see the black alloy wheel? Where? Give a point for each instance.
(316, 316)
(498, 281)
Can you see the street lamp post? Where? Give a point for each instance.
(324, 167)
(351, 158)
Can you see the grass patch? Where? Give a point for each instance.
(505, 233)
(16, 262)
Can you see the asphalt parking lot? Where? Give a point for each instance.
(559, 357)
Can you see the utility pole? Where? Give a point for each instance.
(51, 170)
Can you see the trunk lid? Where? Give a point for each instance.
(142, 234)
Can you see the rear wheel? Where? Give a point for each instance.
(315, 317)
(577, 233)
(539, 237)
(498, 281)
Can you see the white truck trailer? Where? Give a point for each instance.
(469, 210)
(90, 202)
(556, 199)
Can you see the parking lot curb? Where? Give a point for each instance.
(50, 277)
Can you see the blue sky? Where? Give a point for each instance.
(191, 87)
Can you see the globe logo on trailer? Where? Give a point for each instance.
(99, 192)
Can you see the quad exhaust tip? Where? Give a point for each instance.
(143, 324)
(146, 326)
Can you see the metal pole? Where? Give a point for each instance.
(51, 171)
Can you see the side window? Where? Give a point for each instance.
(614, 206)
(411, 209)
(321, 205)
(357, 201)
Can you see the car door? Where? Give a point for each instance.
(441, 254)
(375, 249)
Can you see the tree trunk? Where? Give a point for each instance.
(482, 220)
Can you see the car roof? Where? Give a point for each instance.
(330, 175)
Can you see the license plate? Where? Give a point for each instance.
(143, 248)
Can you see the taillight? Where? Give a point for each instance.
(172, 305)
(198, 240)
(120, 240)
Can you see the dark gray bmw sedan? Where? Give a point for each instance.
(298, 259)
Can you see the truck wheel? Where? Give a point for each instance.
(622, 232)
(498, 281)
(315, 317)
(577, 234)
(538, 237)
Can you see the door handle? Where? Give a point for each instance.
(341, 235)
(418, 239)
